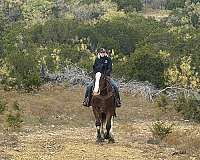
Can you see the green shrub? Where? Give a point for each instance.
(86, 63)
(74, 53)
(188, 106)
(129, 5)
(162, 101)
(14, 120)
(24, 69)
(8, 83)
(183, 75)
(50, 63)
(16, 106)
(92, 11)
(118, 31)
(147, 65)
(120, 66)
(173, 4)
(3, 106)
(160, 130)
(14, 116)
(87, 1)
(54, 31)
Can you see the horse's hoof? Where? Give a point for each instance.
(111, 140)
(99, 140)
(106, 136)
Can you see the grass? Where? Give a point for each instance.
(54, 105)
(56, 126)
(185, 139)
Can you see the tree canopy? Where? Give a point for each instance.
(54, 32)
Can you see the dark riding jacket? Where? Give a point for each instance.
(103, 65)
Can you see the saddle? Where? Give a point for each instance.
(113, 91)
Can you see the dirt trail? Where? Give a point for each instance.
(71, 144)
(65, 130)
(60, 143)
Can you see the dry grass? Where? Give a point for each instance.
(56, 126)
(51, 106)
(186, 139)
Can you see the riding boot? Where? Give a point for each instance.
(118, 101)
(86, 102)
(88, 96)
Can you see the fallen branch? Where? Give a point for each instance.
(77, 76)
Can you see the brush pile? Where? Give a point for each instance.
(77, 76)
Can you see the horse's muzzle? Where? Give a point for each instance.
(96, 93)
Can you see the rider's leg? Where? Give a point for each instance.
(116, 92)
(88, 95)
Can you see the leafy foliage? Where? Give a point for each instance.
(183, 75)
(189, 106)
(186, 16)
(14, 117)
(24, 69)
(91, 11)
(14, 120)
(3, 106)
(173, 4)
(129, 5)
(119, 31)
(162, 101)
(160, 129)
(36, 11)
(146, 65)
(11, 115)
(53, 33)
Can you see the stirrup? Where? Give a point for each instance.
(86, 102)
(118, 103)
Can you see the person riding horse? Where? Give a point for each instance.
(102, 64)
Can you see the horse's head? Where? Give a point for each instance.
(102, 84)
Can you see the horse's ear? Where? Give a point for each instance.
(108, 78)
(93, 76)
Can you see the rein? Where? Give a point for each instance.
(108, 83)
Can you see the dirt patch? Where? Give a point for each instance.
(56, 126)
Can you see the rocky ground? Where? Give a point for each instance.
(57, 127)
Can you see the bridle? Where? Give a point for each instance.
(107, 84)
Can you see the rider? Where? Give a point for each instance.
(103, 64)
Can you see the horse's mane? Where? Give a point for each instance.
(108, 86)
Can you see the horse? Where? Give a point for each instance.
(103, 105)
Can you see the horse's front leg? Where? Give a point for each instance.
(108, 134)
(102, 129)
(98, 126)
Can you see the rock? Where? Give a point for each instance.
(153, 141)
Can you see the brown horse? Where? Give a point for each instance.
(103, 105)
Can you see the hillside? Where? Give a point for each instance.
(56, 126)
(47, 52)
